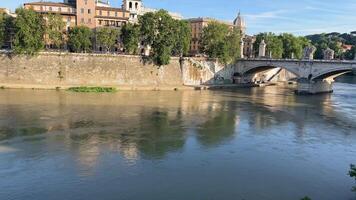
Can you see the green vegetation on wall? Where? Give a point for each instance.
(92, 89)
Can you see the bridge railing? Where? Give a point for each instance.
(298, 60)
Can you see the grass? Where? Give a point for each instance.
(92, 89)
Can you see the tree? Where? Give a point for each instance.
(9, 23)
(29, 32)
(183, 38)
(350, 54)
(220, 41)
(80, 39)
(55, 30)
(352, 173)
(233, 43)
(107, 37)
(2, 29)
(213, 41)
(274, 44)
(130, 35)
(158, 31)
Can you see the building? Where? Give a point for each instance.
(197, 25)
(136, 9)
(90, 13)
(7, 12)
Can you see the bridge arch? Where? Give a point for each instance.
(262, 68)
(331, 74)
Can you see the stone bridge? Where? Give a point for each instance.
(313, 76)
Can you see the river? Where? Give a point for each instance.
(247, 144)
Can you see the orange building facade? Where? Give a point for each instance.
(90, 13)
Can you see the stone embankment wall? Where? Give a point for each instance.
(52, 70)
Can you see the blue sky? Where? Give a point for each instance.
(299, 17)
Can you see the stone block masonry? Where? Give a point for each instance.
(63, 70)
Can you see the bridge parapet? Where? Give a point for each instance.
(319, 73)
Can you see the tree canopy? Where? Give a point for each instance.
(219, 41)
(158, 30)
(333, 41)
(80, 39)
(29, 32)
(55, 30)
(183, 38)
(2, 29)
(107, 37)
(274, 44)
(130, 34)
(285, 45)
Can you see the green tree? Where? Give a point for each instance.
(220, 41)
(306, 198)
(55, 30)
(2, 29)
(107, 37)
(233, 42)
(274, 44)
(213, 41)
(80, 39)
(352, 174)
(350, 54)
(130, 35)
(9, 23)
(183, 38)
(29, 32)
(158, 32)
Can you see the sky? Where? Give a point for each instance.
(300, 17)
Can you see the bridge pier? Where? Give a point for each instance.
(306, 86)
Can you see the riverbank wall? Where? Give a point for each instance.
(64, 70)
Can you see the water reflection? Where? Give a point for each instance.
(129, 134)
(152, 127)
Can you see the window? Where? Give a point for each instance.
(86, 2)
(108, 13)
(130, 5)
(68, 20)
(89, 21)
(82, 10)
(82, 20)
(60, 9)
(115, 14)
(50, 8)
(89, 11)
(100, 12)
(136, 5)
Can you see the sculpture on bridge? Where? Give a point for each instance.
(308, 52)
(242, 47)
(262, 49)
(329, 54)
